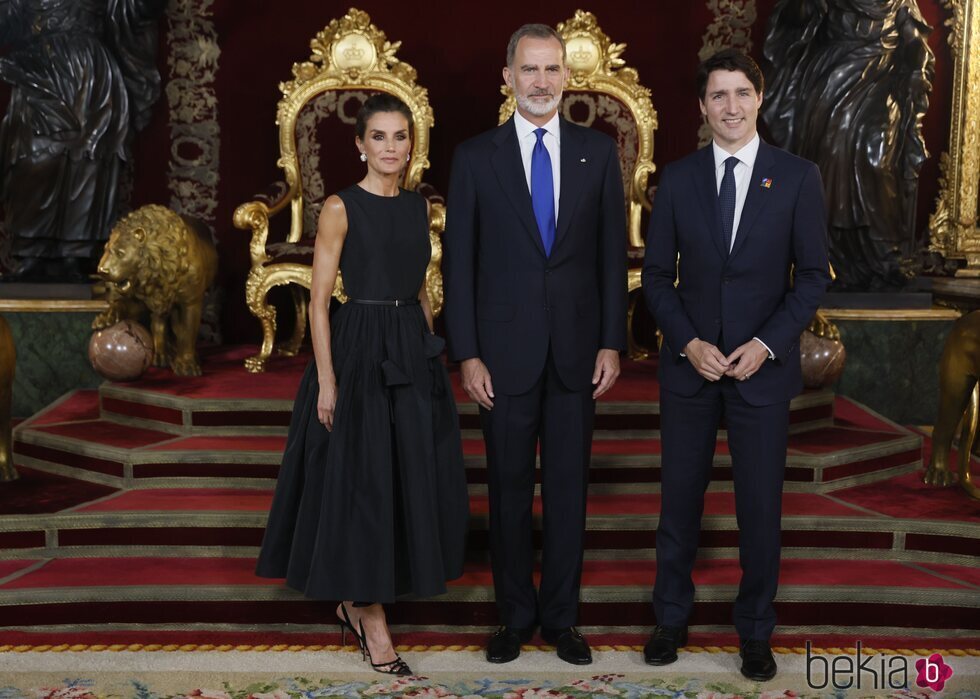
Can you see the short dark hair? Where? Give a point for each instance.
(729, 59)
(538, 31)
(376, 104)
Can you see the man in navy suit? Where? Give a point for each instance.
(535, 278)
(741, 226)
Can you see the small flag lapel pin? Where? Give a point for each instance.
(766, 183)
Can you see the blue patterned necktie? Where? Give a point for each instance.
(726, 201)
(543, 191)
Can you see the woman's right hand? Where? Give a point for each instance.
(326, 403)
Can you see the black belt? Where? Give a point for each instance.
(386, 302)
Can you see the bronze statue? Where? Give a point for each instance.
(8, 359)
(161, 262)
(84, 76)
(959, 370)
(847, 85)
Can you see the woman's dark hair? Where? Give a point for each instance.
(729, 59)
(376, 104)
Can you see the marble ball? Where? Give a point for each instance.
(121, 352)
(822, 360)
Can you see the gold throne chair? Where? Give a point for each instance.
(351, 60)
(604, 94)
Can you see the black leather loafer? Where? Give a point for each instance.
(757, 661)
(662, 647)
(505, 644)
(571, 645)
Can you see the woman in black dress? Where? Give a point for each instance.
(371, 501)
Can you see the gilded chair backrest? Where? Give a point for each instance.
(604, 94)
(351, 60)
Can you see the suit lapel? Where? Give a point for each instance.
(757, 196)
(507, 164)
(706, 185)
(573, 168)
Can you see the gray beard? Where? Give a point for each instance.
(537, 108)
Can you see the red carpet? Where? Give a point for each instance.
(158, 524)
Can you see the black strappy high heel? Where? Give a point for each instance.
(392, 667)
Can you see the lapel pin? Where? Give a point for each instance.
(582, 160)
(766, 183)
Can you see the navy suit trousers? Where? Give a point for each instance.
(562, 420)
(757, 439)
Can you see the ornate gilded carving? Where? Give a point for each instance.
(954, 230)
(349, 54)
(731, 27)
(159, 261)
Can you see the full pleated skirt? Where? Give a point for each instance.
(378, 508)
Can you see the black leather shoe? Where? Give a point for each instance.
(757, 661)
(572, 646)
(662, 647)
(505, 644)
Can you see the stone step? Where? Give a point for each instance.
(614, 593)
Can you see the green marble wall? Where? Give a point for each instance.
(52, 357)
(893, 367)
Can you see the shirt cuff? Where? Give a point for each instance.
(771, 355)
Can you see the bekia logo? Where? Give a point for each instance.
(933, 672)
(861, 671)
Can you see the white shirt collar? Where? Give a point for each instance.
(526, 128)
(746, 154)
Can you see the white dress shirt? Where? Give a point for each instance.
(552, 141)
(743, 171)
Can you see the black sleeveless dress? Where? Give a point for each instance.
(378, 508)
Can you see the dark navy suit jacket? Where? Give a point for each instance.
(506, 301)
(769, 286)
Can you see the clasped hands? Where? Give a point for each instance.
(478, 385)
(741, 364)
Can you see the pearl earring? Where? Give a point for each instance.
(408, 159)
(363, 158)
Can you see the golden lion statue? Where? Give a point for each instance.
(164, 263)
(959, 370)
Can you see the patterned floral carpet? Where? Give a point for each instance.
(465, 674)
(614, 685)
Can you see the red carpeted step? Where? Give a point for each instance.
(728, 572)
(157, 572)
(821, 441)
(224, 377)
(185, 500)
(715, 503)
(970, 575)
(208, 445)
(105, 433)
(908, 496)
(80, 405)
(11, 567)
(38, 492)
(197, 572)
(259, 500)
